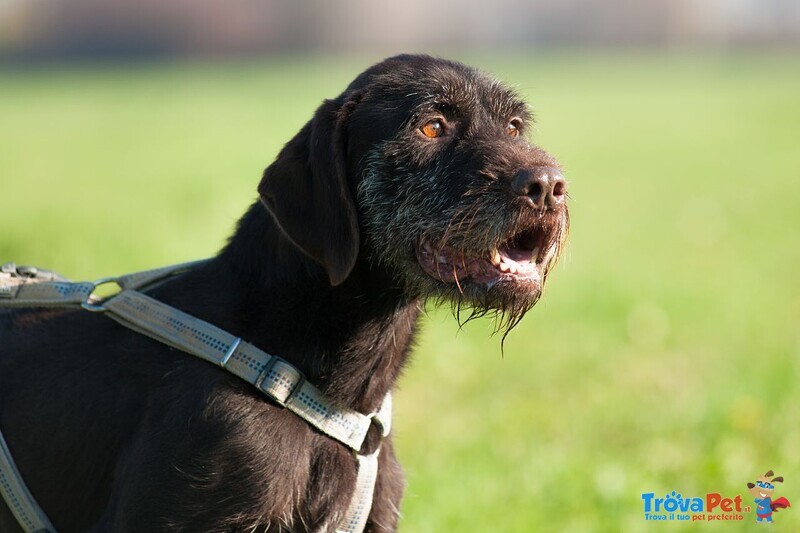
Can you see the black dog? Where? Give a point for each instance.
(415, 182)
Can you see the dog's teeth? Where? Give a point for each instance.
(535, 254)
(496, 258)
(504, 267)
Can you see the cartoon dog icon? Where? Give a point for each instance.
(762, 491)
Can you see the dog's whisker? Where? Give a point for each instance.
(455, 277)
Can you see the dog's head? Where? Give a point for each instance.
(422, 168)
(764, 485)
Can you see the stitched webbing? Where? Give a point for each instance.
(146, 278)
(44, 289)
(23, 293)
(355, 519)
(273, 376)
(30, 516)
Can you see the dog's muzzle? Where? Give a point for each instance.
(526, 250)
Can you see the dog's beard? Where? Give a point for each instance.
(446, 250)
(503, 296)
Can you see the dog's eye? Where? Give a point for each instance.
(512, 128)
(432, 129)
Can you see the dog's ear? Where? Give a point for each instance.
(751, 485)
(306, 192)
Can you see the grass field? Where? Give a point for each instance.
(666, 353)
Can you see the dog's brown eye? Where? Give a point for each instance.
(513, 127)
(432, 129)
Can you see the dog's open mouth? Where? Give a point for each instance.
(523, 258)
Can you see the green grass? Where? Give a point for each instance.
(666, 352)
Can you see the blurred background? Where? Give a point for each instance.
(35, 30)
(666, 353)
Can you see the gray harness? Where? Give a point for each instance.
(274, 377)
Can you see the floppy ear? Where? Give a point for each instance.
(306, 192)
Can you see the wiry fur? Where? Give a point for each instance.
(455, 194)
(113, 431)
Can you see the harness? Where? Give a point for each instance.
(274, 377)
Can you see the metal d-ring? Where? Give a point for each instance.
(89, 304)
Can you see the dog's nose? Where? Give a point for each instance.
(542, 186)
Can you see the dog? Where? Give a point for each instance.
(416, 183)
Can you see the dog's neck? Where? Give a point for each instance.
(351, 340)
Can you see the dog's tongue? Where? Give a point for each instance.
(518, 255)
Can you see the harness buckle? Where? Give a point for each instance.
(271, 391)
(8, 291)
(267, 367)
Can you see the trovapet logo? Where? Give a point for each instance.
(713, 506)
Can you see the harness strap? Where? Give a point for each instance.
(18, 292)
(30, 516)
(273, 376)
(355, 519)
(147, 278)
(32, 287)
